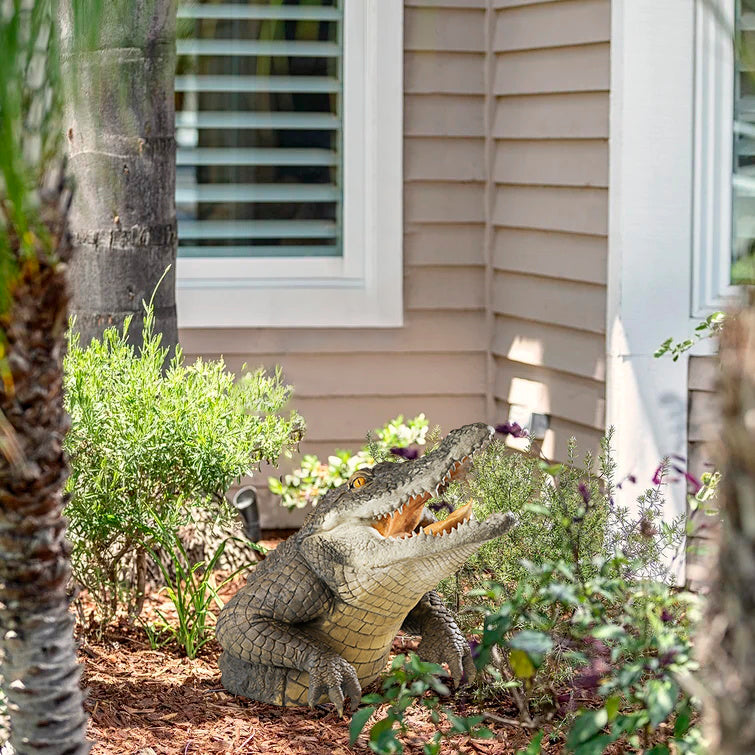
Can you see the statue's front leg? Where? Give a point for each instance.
(442, 640)
(263, 647)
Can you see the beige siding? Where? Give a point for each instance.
(349, 381)
(550, 212)
(578, 115)
(505, 221)
(703, 422)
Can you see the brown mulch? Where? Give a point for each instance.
(155, 702)
(158, 702)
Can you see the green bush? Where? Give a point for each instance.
(307, 484)
(548, 501)
(624, 643)
(564, 511)
(408, 680)
(149, 441)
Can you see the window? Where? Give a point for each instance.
(289, 165)
(743, 200)
(724, 164)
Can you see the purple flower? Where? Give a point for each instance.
(514, 429)
(405, 453)
(658, 474)
(628, 478)
(694, 483)
(667, 658)
(666, 616)
(591, 676)
(584, 491)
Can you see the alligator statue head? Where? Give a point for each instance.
(377, 525)
(317, 617)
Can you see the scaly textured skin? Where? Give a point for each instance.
(317, 618)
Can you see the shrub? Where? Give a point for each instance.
(307, 484)
(150, 440)
(559, 641)
(564, 511)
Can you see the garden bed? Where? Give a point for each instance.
(144, 701)
(156, 702)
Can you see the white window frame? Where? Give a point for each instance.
(364, 287)
(713, 158)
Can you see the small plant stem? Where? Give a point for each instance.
(112, 574)
(519, 697)
(493, 718)
(141, 582)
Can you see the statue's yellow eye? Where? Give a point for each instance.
(357, 480)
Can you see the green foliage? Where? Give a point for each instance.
(705, 497)
(552, 515)
(648, 542)
(709, 328)
(622, 639)
(30, 131)
(569, 616)
(564, 512)
(411, 680)
(306, 485)
(191, 587)
(149, 440)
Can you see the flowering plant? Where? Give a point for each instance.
(307, 484)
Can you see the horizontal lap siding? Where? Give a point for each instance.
(703, 425)
(550, 212)
(348, 381)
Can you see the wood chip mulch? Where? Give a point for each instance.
(158, 702)
(155, 702)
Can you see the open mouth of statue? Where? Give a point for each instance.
(405, 520)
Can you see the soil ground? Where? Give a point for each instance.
(148, 702)
(144, 701)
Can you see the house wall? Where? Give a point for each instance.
(703, 423)
(505, 222)
(549, 126)
(348, 380)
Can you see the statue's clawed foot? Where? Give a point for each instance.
(332, 675)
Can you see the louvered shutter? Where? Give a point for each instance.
(743, 263)
(258, 128)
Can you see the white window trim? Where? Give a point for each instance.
(713, 159)
(652, 146)
(364, 288)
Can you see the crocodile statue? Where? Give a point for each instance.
(317, 618)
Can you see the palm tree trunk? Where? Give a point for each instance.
(120, 136)
(728, 640)
(39, 672)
